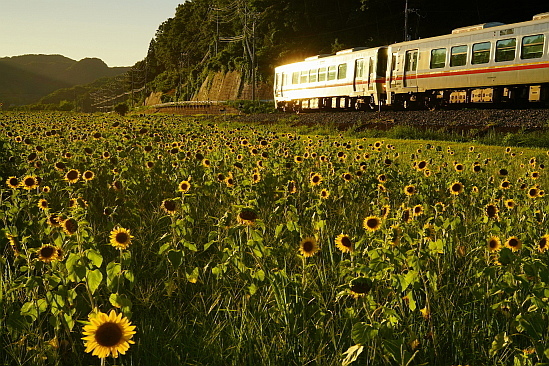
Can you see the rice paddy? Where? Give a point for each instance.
(211, 243)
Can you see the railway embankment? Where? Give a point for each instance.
(506, 120)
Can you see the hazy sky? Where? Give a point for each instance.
(116, 31)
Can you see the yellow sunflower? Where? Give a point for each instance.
(344, 243)
(410, 190)
(513, 243)
(510, 203)
(360, 286)
(542, 244)
(169, 206)
(184, 186)
(247, 216)
(315, 179)
(42, 204)
(72, 176)
(88, 175)
(12, 182)
(456, 188)
(29, 182)
(108, 335)
(47, 253)
(291, 187)
(418, 210)
(492, 211)
(70, 226)
(372, 223)
(533, 192)
(308, 247)
(120, 238)
(324, 194)
(493, 244)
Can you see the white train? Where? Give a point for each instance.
(487, 63)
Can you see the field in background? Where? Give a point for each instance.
(253, 244)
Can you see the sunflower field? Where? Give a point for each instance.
(165, 240)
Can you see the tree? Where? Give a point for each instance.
(121, 109)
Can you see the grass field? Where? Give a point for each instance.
(228, 244)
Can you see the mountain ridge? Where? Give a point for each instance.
(25, 79)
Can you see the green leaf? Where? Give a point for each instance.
(501, 341)
(113, 272)
(120, 301)
(95, 257)
(175, 257)
(362, 333)
(94, 278)
(193, 276)
(190, 245)
(278, 230)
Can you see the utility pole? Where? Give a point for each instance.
(407, 36)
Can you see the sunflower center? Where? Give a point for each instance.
(456, 187)
(248, 215)
(372, 223)
(493, 244)
(543, 243)
(71, 225)
(47, 252)
(29, 182)
(108, 334)
(346, 242)
(513, 242)
(308, 246)
(72, 175)
(491, 211)
(122, 237)
(169, 205)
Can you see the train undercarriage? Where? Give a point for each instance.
(519, 96)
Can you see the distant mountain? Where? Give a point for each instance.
(25, 79)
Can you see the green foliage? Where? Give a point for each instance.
(122, 109)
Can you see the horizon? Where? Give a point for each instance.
(118, 33)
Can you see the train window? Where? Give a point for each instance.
(332, 73)
(458, 56)
(505, 49)
(313, 75)
(438, 58)
(304, 77)
(410, 63)
(359, 68)
(532, 46)
(342, 71)
(295, 77)
(481, 53)
(322, 74)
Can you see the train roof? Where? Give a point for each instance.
(479, 29)
(329, 55)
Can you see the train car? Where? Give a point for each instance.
(353, 78)
(490, 63)
(486, 63)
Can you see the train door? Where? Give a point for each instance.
(358, 82)
(410, 69)
(279, 81)
(371, 74)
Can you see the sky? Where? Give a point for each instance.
(116, 31)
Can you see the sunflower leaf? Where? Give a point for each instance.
(94, 279)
